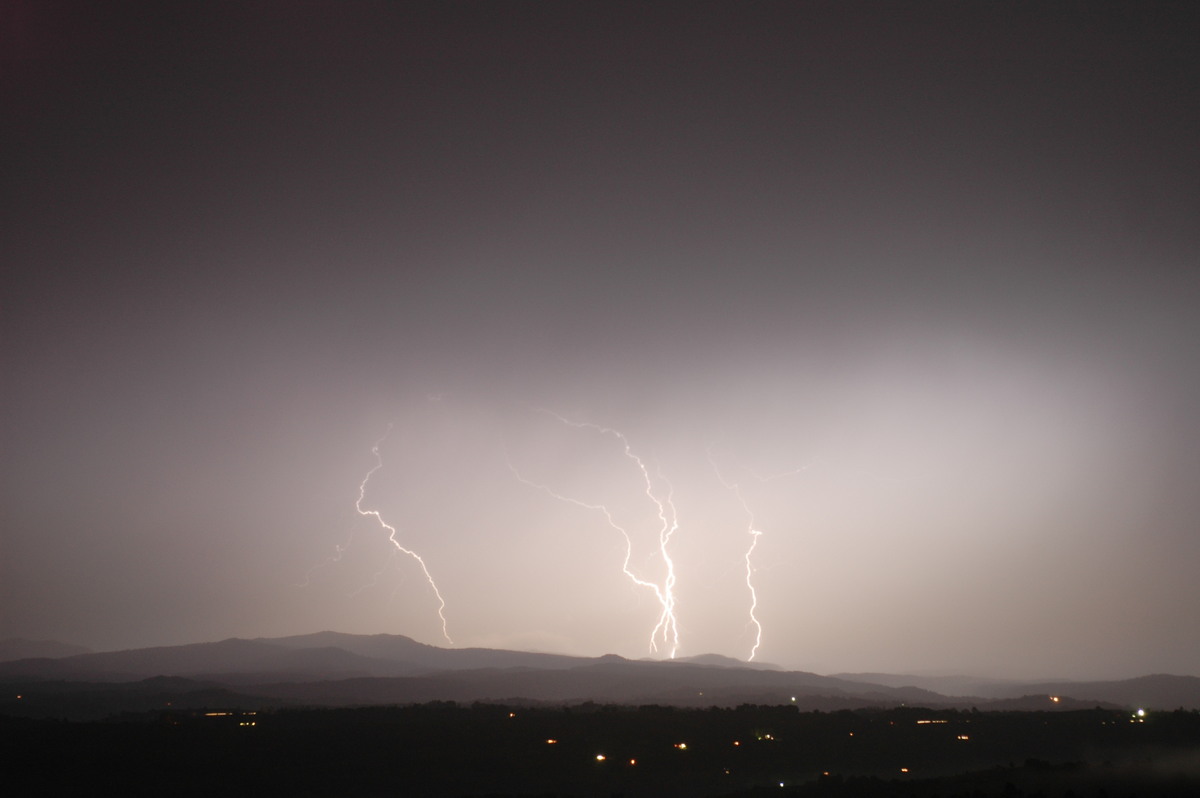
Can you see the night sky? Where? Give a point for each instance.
(911, 289)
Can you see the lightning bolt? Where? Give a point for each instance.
(667, 627)
(755, 534)
(391, 530)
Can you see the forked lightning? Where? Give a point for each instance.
(391, 530)
(667, 628)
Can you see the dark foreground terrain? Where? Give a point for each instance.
(444, 749)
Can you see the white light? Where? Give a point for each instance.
(393, 533)
(668, 627)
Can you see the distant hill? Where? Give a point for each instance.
(720, 661)
(1160, 691)
(422, 658)
(335, 669)
(620, 682)
(233, 661)
(946, 685)
(19, 648)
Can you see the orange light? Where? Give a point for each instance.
(600, 757)
(551, 741)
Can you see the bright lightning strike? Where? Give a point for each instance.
(667, 628)
(391, 530)
(755, 534)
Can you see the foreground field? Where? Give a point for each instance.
(443, 749)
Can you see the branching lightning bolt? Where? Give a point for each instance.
(391, 530)
(667, 628)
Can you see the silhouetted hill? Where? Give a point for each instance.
(946, 685)
(12, 648)
(330, 668)
(608, 681)
(720, 661)
(1041, 702)
(1158, 691)
(227, 656)
(324, 655)
(231, 661)
(425, 658)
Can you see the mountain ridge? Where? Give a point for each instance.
(334, 668)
